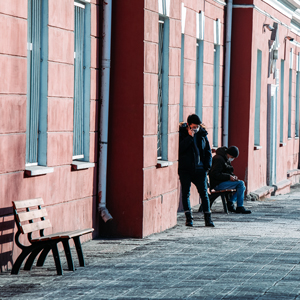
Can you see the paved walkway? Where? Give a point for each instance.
(244, 257)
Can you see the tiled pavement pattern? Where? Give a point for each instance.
(253, 256)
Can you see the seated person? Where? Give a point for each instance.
(221, 177)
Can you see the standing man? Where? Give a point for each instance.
(221, 177)
(194, 162)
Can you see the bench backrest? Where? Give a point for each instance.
(30, 216)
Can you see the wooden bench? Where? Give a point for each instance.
(225, 195)
(30, 217)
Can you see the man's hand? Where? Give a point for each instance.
(233, 178)
(191, 132)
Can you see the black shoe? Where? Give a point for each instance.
(208, 221)
(231, 207)
(189, 219)
(242, 210)
(200, 208)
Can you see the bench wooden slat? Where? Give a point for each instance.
(33, 214)
(63, 235)
(28, 203)
(36, 226)
(78, 232)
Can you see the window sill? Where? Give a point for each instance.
(296, 137)
(81, 165)
(289, 138)
(257, 147)
(38, 170)
(163, 163)
(282, 144)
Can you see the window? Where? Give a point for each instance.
(297, 97)
(181, 79)
(183, 15)
(257, 100)
(82, 64)
(199, 78)
(37, 89)
(281, 100)
(163, 88)
(290, 95)
(216, 83)
(216, 88)
(199, 64)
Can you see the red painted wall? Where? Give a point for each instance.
(125, 146)
(240, 87)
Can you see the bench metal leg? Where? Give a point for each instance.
(57, 259)
(68, 255)
(224, 203)
(43, 255)
(31, 258)
(17, 265)
(79, 251)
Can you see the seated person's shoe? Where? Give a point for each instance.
(230, 206)
(242, 210)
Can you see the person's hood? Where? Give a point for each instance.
(183, 128)
(222, 152)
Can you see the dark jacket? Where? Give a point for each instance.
(191, 158)
(221, 168)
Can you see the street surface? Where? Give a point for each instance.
(253, 256)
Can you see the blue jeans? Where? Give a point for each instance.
(240, 190)
(198, 178)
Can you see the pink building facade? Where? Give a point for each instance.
(264, 95)
(66, 182)
(167, 61)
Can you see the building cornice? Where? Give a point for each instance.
(285, 10)
(223, 3)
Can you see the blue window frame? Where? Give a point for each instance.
(199, 78)
(297, 105)
(181, 79)
(82, 65)
(163, 88)
(37, 86)
(257, 99)
(297, 97)
(290, 95)
(216, 94)
(281, 99)
(290, 104)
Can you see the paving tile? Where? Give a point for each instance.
(243, 257)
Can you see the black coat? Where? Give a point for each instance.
(189, 159)
(221, 168)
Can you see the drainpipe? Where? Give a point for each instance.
(104, 109)
(227, 73)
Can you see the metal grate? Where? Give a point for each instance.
(34, 56)
(160, 92)
(78, 83)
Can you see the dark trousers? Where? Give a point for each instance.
(199, 179)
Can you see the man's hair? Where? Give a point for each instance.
(193, 119)
(233, 151)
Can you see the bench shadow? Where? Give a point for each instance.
(7, 226)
